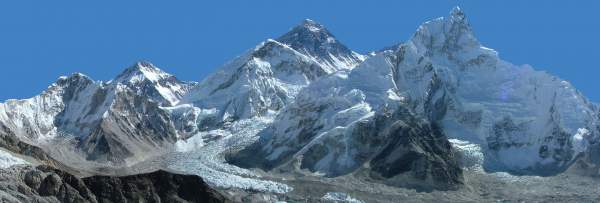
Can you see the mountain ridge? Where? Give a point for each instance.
(305, 105)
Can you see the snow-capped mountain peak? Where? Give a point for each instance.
(147, 79)
(314, 40)
(263, 79)
(313, 26)
(77, 79)
(140, 71)
(450, 36)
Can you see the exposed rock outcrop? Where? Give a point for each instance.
(46, 184)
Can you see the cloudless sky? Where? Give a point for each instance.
(42, 40)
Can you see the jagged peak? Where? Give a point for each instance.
(74, 80)
(142, 70)
(449, 33)
(444, 25)
(458, 17)
(75, 77)
(141, 66)
(457, 12)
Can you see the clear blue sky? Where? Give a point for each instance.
(42, 40)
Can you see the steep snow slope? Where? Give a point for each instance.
(266, 78)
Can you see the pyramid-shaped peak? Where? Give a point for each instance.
(314, 40)
(307, 28)
(142, 70)
(312, 25)
(143, 66)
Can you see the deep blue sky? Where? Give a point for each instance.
(42, 40)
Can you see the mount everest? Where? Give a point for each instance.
(416, 115)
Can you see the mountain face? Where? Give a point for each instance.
(509, 109)
(109, 121)
(268, 77)
(525, 121)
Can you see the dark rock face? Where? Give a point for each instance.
(46, 184)
(399, 148)
(9, 141)
(159, 186)
(313, 39)
(133, 121)
(416, 150)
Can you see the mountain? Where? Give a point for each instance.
(266, 78)
(507, 109)
(269, 76)
(443, 79)
(118, 121)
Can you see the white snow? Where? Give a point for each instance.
(340, 197)
(7, 160)
(480, 89)
(472, 154)
(579, 142)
